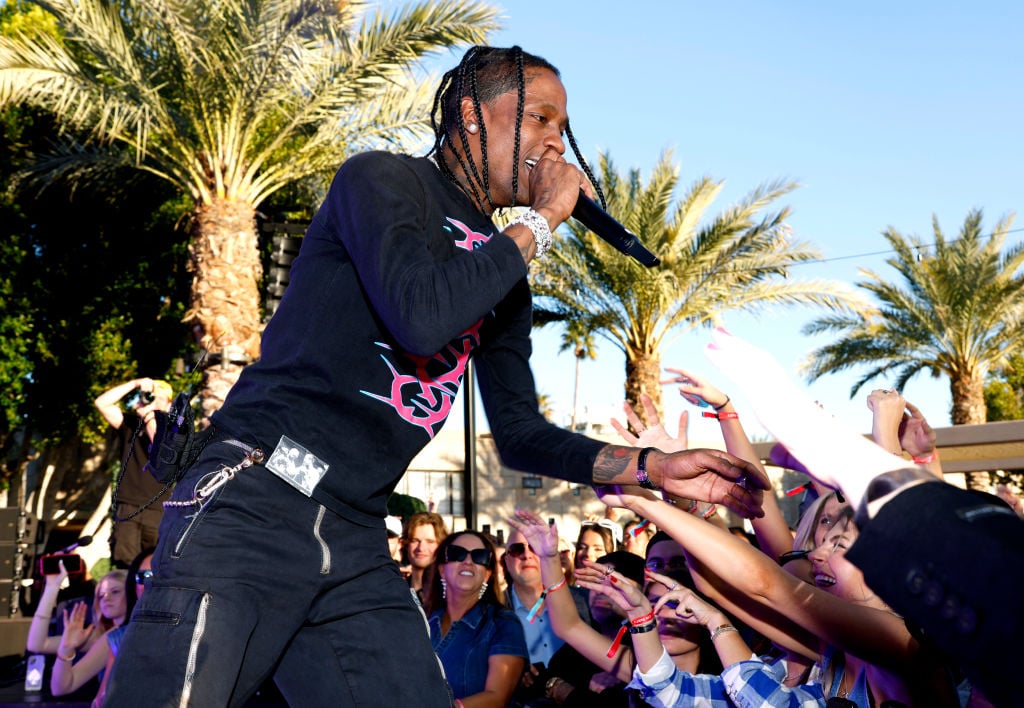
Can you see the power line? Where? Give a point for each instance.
(887, 252)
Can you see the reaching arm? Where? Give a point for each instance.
(561, 610)
(70, 675)
(771, 530)
(39, 641)
(872, 634)
(108, 403)
(684, 603)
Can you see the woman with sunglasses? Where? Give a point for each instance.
(480, 643)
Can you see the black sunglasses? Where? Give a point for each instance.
(457, 554)
(659, 564)
(518, 550)
(792, 555)
(142, 576)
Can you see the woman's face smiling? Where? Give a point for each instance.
(465, 575)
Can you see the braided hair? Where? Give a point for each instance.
(484, 74)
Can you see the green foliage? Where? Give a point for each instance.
(404, 505)
(100, 568)
(738, 259)
(1004, 392)
(954, 310)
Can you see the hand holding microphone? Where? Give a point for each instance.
(600, 222)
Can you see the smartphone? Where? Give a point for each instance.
(34, 672)
(50, 564)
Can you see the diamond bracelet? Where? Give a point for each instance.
(538, 226)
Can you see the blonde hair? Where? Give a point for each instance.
(101, 623)
(162, 388)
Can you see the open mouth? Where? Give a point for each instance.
(824, 581)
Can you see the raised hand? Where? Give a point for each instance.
(622, 496)
(652, 433)
(542, 537)
(621, 591)
(687, 605)
(916, 436)
(57, 579)
(75, 631)
(695, 389)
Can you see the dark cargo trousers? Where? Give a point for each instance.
(257, 580)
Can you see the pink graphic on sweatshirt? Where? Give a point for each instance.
(424, 397)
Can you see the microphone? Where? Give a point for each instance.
(608, 229)
(83, 541)
(588, 213)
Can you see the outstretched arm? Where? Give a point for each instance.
(39, 641)
(70, 675)
(561, 610)
(760, 586)
(771, 530)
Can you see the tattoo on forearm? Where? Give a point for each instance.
(611, 462)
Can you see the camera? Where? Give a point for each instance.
(50, 564)
(137, 397)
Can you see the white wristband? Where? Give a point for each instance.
(538, 226)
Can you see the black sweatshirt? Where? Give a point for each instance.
(398, 280)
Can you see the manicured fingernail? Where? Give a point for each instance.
(614, 579)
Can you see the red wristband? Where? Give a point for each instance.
(924, 459)
(724, 415)
(644, 619)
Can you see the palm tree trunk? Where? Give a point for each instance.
(225, 304)
(576, 388)
(968, 393)
(969, 409)
(642, 376)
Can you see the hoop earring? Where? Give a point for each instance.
(483, 589)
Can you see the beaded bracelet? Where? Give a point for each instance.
(722, 628)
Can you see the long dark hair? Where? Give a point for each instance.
(484, 74)
(435, 599)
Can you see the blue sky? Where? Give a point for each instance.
(885, 113)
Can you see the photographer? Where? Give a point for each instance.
(127, 406)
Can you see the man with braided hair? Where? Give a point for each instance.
(401, 277)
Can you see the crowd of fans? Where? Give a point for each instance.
(654, 603)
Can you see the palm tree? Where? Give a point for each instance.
(582, 344)
(230, 102)
(956, 311)
(737, 260)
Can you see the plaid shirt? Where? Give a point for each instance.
(747, 684)
(755, 684)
